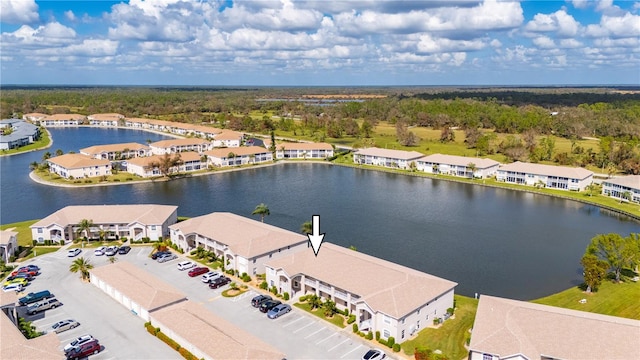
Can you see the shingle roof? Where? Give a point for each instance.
(631, 181)
(390, 154)
(245, 237)
(459, 160)
(238, 151)
(138, 285)
(396, 291)
(221, 340)
(109, 214)
(547, 170)
(76, 161)
(96, 149)
(505, 327)
(178, 142)
(304, 146)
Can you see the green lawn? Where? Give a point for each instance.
(24, 232)
(451, 336)
(336, 319)
(39, 250)
(621, 299)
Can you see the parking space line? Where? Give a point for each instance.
(300, 318)
(315, 332)
(214, 298)
(327, 338)
(306, 326)
(344, 341)
(359, 346)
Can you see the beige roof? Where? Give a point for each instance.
(64, 117)
(6, 235)
(238, 151)
(106, 116)
(229, 135)
(506, 327)
(223, 340)
(547, 170)
(178, 142)
(148, 160)
(245, 237)
(459, 160)
(109, 214)
(390, 154)
(631, 181)
(304, 146)
(97, 149)
(76, 161)
(396, 291)
(138, 285)
(35, 115)
(13, 345)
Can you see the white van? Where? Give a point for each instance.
(186, 265)
(13, 287)
(210, 276)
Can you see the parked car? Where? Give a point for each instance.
(268, 305)
(198, 271)
(32, 267)
(184, 265)
(30, 298)
(210, 276)
(25, 270)
(84, 350)
(100, 251)
(221, 281)
(43, 305)
(167, 257)
(111, 250)
(27, 276)
(157, 254)
(374, 354)
(13, 287)
(124, 250)
(19, 280)
(64, 325)
(278, 310)
(258, 300)
(74, 252)
(77, 342)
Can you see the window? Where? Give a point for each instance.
(270, 255)
(386, 319)
(487, 357)
(402, 334)
(39, 230)
(40, 239)
(153, 227)
(418, 324)
(386, 334)
(403, 321)
(254, 261)
(255, 270)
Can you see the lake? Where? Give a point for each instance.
(491, 241)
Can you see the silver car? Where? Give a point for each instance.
(77, 342)
(64, 325)
(167, 257)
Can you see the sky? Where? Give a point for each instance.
(320, 42)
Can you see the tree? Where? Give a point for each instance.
(617, 251)
(472, 169)
(81, 265)
(625, 196)
(590, 188)
(167, 163)
(329, 308)
(314, 301)
(447, 135)
(34, 165)
(85, 226)
(59, 152)
(594, 271)
(46, 156)
(272, 147)
(262, 210)
(306, 227)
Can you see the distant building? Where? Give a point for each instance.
(242, 155)
(117, 151)
(386, 158)
(34, 117)
(16, 133)
(78, 166)
(228, 138)
(620, 187)
(148, 166)
(457, 165)
(173, 146)
(108, 120)
(295, 150)
(8, 245)
(62, 120)
(549, 176)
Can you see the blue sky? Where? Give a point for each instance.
(319, 42)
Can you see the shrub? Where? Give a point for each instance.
(116, 179)
(286, 296)
(87, 181)
(169, 341)
(246, 278)
(274, 289)
(391, 341)
(377, 335)
(129, 179)
(382, 341)
(355, 328)
(369, 336)
(34, 242)
(361, 334)
(396, 347)
(436, 321)
(351, 319)
(450, 311)
(231, 272)
(61, 242)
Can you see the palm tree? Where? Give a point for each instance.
(472, 169)
(46, 156)
(59, 152)
(590, 187)
(81, 265)
(85, 226)
(306, 227)
(34, 165)
(112, 259)
(625, 196)
(262, 210)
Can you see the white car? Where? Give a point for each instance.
(64, 325)
(13, 287)
(74, 252)
(210, 276)
(77, 342)
(111, 250)
(185, 265)
(100, 251)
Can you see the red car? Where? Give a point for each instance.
(25, 270)
(84, 350)
(198, 271)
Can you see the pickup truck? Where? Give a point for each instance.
(35, 297)
(43, 305)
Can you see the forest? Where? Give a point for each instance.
(520, 124)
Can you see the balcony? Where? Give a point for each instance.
(365, 325)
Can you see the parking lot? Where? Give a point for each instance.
(298, 334)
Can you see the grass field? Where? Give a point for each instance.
(621, 299)
(451, 336)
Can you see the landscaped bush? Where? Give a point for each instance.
(302, 298)
(264, 285)
(355, 328)
(396, 348)
(377, 335)
(286, 296)
(382, 341)
(129, 179)
(391, 341)
(450, 311)
(231, 272)
(187, 354)
(61, 242)
(167, 340)
(274, 289)
(246, 278)
(351, 319)
(369, 336)
(87, 181)
(116, 179)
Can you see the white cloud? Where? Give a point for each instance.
(495, 43)
(616, 26)
(544, 42)
(286, 17)
(70, 15)
(45, 35)
(570, 43)
(560, 22)
(88, 47)
(18, 11)
(581, 4)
